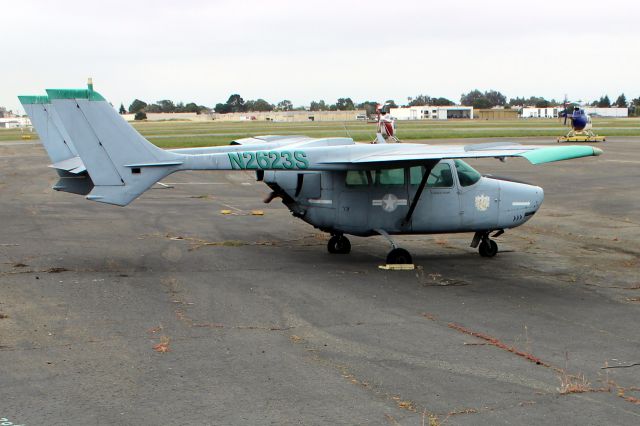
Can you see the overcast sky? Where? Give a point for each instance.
(203, 51)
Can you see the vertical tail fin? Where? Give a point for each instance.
(58, 144)
(121, 163)
(54, 137)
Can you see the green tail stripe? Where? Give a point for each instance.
(26, 100)
(74, 94)
(559, 153)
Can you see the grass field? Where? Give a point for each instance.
(169, 134)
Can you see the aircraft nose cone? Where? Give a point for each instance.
(538, 197)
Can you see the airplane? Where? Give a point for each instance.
(580, 126)
(335, 184)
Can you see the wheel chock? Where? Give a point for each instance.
(398, 267)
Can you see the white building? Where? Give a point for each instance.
(553, 112)
(429, 112)
(14, 122)
(607, 112)
(532, 112)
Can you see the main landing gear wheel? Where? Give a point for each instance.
(399, 256)
(339, 244)
(488, 248)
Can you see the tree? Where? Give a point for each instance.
(634, 106)
(420, 100)
(369, 107)
(318, 106)
(345, 104)
(482, 103)
(222, 108)
(137, 105)
(284, 105)
(517, 101)
(140, 115)
(236, 103)
(391, 103)
(480, 100)
(166, 106)
(495, 98)
(539, 102)
(191, 107)
(155, 108)
(441, 102)
(621, 102)
(604, 102)
(258, 105)
(471, 97)
(122, 109)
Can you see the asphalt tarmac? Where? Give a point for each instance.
(167, 312)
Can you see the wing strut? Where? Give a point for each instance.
(427, 169)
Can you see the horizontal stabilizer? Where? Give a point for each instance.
(73, 165)
(80, 184)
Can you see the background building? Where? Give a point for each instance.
(497, 114)
(277, 116)
(607, 112)
(14, 122)
(428, 112)
(553, 112)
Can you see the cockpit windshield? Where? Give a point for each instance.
(467, 175)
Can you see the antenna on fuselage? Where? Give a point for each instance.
(344, 124)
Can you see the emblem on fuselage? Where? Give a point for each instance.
(389, 203)
(482, 202)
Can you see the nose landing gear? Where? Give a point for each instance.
(486, 246)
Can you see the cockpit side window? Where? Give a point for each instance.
(467, 175)
(388, 177)
(439, 177)
(357, 178)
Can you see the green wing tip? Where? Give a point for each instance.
(28, 100)
(560, 153)
(74, 94)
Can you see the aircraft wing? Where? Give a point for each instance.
(389, 155)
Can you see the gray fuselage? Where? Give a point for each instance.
(455, 199)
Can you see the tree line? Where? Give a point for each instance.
(493, 98)
(475, 98)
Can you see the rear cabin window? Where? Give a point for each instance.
(467, 175)
(439, 177)
(357, 178)
(388, 177)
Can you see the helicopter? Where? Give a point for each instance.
(581, 126)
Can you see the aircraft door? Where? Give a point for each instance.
(352, 190)
(438, 209)
(388, 199)
(479, 198)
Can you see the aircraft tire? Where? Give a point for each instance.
(399, 256)
(488, 248)
(339, 244)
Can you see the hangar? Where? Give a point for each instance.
(430, 112)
